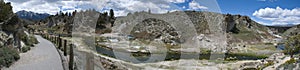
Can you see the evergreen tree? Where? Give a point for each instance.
(61, 13)
(74, 12)
(111, 12)
(5, 10)
(69, 14)
(57, 14)
(66, 14)
(105, 14)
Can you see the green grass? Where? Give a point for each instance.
(258, 47)
(245, 35)
(252, 55)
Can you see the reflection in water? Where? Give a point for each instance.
(143, 57)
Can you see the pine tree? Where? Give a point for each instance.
(105, 14)
(5, 10)
(69, 14)
(61, 13)
(74, 12)
(149, 11)
(111, 12)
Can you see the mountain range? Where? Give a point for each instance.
(32, 15)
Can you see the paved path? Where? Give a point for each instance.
(42, 57)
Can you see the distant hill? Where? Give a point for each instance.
(279, 29)
(292, 31)
(31, 15)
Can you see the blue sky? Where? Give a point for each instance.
(248, 7)
(268, 12)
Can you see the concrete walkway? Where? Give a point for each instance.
(42, 57)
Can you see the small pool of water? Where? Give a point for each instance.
(280, 47)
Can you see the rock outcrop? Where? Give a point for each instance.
(192, 29)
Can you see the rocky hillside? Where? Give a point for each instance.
(242, 29)
(13, 36)
(279, 29)
(87, 21)
(10, 25)
(192, 29)
(13, 33)
(292, 31)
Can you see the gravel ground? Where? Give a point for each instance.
(42, 57)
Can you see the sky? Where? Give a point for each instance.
(267, 12)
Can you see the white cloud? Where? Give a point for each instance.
(261, 0)
(176, 1)
(51, 6)
(268, 0)
(121, 7)
(196, 6)
(278, 15)
(184, 7)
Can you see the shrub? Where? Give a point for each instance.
(266, 65)
(25, 49)
(250, 69)
(292, 60)
(29, 40)
(8, 56)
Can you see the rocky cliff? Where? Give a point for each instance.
(192, 29)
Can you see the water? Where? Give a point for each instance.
(169, 56)
(280, 47)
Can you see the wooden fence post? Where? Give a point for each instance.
(51, 38)
(71, 57)
(59, 43)
(47, 37)
(56, 41)
(65, 48)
